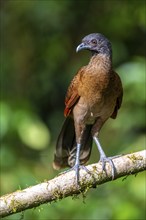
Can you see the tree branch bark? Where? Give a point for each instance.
(64, 185)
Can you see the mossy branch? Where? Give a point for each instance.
(64, 185)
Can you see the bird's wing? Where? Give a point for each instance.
(69, 103)
(72, 96)
(119, 91)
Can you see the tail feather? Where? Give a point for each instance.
(65, 154)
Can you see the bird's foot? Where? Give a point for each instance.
(105, 159)
(76, 168)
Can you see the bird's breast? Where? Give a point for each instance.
(97, 98)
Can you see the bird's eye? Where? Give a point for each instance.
(94, 41)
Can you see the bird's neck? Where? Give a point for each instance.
(102, 62)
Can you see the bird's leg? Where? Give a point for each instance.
(77, 162)
(77, 165)
(104, 158)
(79, 130)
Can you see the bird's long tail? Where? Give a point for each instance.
(65, 154)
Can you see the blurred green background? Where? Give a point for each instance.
(38, 60)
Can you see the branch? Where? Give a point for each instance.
(65, 184)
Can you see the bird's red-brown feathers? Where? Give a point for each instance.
(72, 95)
(70, 102)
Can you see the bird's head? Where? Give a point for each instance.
(96, 43)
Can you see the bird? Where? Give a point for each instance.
(93, 96)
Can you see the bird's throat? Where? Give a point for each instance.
(101, 61)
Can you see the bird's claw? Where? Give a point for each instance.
(76, 168)
(103, 160)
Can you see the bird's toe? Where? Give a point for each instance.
(103, 160)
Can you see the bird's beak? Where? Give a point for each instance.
(81, 46)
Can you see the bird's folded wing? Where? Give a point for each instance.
(72, 95)
(70, 102)
(118, 90)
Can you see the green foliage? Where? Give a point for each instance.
(38, 60)
(32, 131)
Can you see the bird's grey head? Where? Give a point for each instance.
(96, 43)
